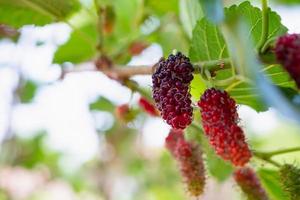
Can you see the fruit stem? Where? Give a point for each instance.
(278, 152)
(134, 87)
(209, 81)
(265, 25)
(266, 158)
(267, 45)
(196, 126)
(212, 65)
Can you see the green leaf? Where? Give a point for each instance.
(126, 16)
(27, 91)
(253, 18)
(189, 12)
(169, 32)
(271, 182)
(160, 8)
(278, 75)
(197, 87)
(246, 94)
(217, 167)
(213, 10)
(80, 47)
(246, 60)
(102, 104)
(208, 44)
(18, 13)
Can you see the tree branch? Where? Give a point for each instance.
(125, 72)
(116, 72)
(128, 71)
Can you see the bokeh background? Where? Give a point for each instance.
(61, 139)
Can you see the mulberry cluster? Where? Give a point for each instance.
(148, 107)
(190, 161)
(171, 83)
(220, 123)
(250, 184)
(290, 180)
(287, 51)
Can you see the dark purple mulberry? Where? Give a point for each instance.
(287, 51)
(171, 82)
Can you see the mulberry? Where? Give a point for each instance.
(137, 47)
(171, 82)
(124, 113)
(290, 180)
(190, 161)
(220, 124)
(250, 184)
(171, 141)
(287, 52)
(148, 107)
(191, 165)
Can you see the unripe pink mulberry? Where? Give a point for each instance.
(191, 166)
(190, 161)
(124, 113)
(171, 82)
(220, 124)
(171, 141)
(250, 184)
(287, 51)
(148, 107)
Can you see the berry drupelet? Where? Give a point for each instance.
(171, 86)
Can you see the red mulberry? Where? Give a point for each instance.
(148, 107)
(287, 51)
(220, 124)
(171, 82)
(137, 47)
(190, 161)
(124, 113)
(250, 184)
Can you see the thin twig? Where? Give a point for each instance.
(116, 72)
(265, 25)
(278, 152)
(265, 158)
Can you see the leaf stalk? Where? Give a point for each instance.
(265, 25)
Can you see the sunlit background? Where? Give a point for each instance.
(58, 144)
